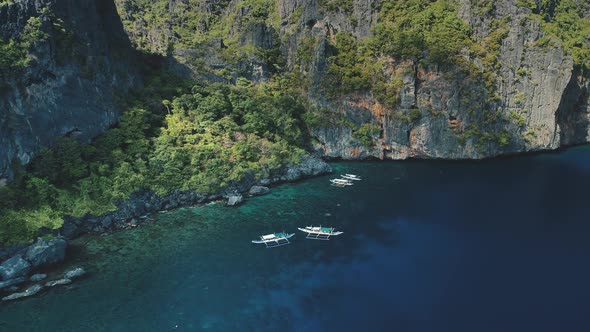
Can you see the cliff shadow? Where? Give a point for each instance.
(573, 115)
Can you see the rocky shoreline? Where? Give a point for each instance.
(20, 262)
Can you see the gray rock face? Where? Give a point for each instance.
(11, 282)
(258, 190)
(28, 292)
(14, 267)
(540, 103)
(69, 88)
(58, 282)
(8, 252)
(38, 277)
(44, 252)
(235, 199)
(308, 167)
(75, 273)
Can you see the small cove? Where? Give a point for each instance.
(427, 246)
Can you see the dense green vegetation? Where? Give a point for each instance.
(14, 53)
(159, 26)
(564, 21)
(156, 26)
(350, 68)
(367, 133)
(420, 31)
(337, 5)
(203, 139)
(207, 30)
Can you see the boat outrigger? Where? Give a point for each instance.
(319, 233)
(351, 177)
(275, 239)
(341, 182)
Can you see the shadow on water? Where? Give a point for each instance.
(426, 246)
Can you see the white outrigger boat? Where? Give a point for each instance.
(275, 239)
(351, 177)
(319, 233)
(341, 182)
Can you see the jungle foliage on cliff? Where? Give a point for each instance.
(202, 139)
(14, 52)
(422, 31)
(564, 21)
(430, 32)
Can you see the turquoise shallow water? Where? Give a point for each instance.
(427, 246)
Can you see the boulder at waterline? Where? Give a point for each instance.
(28, 292)
(14, 267)
(38, 277)
(258, 190)
(58, 282)
(75, 273)
(44, 252)
(234, 200)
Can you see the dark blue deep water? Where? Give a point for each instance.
(501, 245)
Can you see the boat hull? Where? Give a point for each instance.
(350, 178)
(318, 234)
(276, 239)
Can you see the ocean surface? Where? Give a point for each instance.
(501, 245)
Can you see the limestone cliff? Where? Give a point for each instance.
(529, 95)
(540, 102)
(73, 76)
